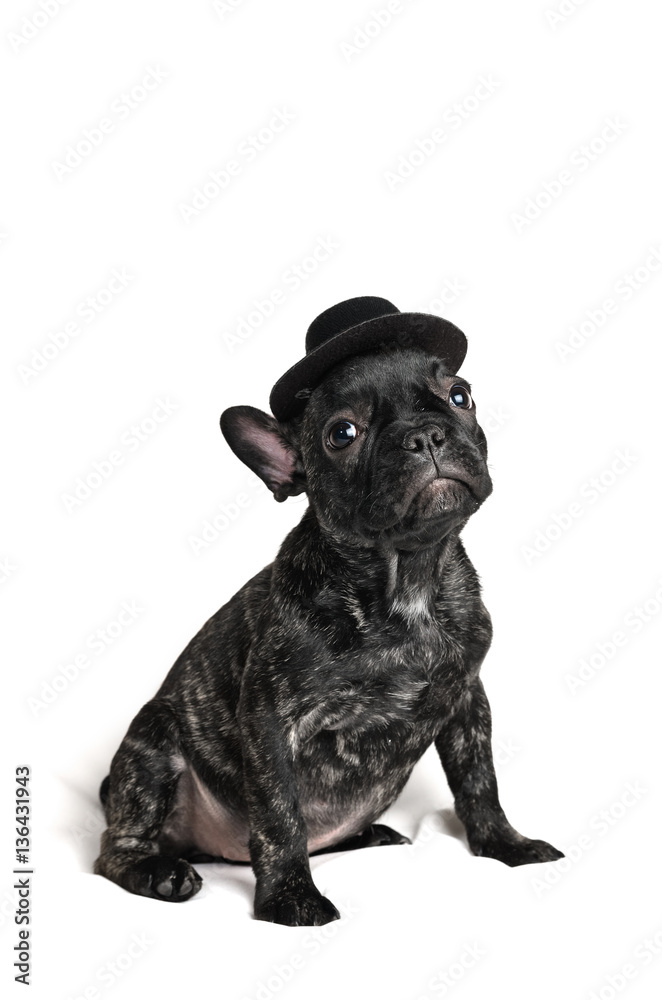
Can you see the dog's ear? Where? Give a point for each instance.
(255, 438)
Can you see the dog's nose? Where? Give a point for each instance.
(420, 438)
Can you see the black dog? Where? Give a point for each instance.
(294, 718)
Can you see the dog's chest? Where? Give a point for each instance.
(362, 703)
(387, 684)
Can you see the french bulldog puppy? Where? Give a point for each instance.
(293, 719)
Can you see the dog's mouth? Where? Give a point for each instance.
(438, 487)
(447, 488)
(424, 497)
(436, 494)
(445, 476)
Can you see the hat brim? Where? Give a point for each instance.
(419, 330)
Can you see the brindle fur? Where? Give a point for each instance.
(294, 717)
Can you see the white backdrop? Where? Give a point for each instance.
(185, 187)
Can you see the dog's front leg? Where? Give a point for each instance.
(464, 746)
(285, 892)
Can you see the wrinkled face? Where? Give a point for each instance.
(391, 447)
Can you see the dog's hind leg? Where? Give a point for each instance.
(138, 796)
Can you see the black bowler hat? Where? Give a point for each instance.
(352, 327)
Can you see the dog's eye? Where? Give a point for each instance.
(342, 434)
(459, 396)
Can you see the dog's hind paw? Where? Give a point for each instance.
(171, 879)
(379, 835)
(375, 835)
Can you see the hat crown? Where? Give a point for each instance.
(344, 315)
(359, 326)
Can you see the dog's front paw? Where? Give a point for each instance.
(521, 851)
(172, 879)
(303, 908)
